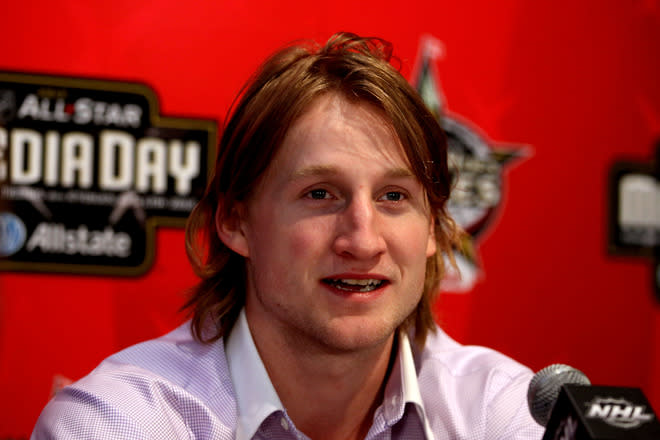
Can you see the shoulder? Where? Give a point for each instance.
(442, 353)
(481, 392)
(173, 379)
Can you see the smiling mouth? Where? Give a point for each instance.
(351, 285)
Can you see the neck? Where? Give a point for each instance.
(328, 394)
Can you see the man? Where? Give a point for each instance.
(319, 244)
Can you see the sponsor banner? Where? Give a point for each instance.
(88, 169)
(634, 212)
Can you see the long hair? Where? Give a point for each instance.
(282, 89)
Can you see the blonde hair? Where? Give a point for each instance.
(358, 69)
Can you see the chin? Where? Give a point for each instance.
(359, 333)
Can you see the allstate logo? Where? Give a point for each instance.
(12, 234)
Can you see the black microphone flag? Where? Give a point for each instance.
(562, 399)
(587, 412)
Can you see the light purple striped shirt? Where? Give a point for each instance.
(175, 387)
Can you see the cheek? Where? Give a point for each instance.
(417, 241)
(281, 244)
(307, 239)
(413, 250)
(284, 258)
(431, 246)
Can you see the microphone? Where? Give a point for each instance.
(562, 399)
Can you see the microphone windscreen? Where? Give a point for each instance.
(544, 389)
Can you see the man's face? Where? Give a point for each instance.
(337, 234)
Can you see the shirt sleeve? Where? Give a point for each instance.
(508, 413)
(76, 414)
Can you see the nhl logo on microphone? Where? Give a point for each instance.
(618, 412)
(624, 413)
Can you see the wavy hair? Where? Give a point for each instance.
(357, 68)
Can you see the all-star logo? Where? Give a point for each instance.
(475, 161)
(89, 169)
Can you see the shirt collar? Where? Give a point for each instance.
(257, 399)
(255, 396)
(403, 387)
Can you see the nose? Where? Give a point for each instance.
(359, 230)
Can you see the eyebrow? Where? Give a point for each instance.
(328, 170)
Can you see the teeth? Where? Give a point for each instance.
(359, 282)
(352, 285)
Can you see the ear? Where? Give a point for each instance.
(230, 229)
(431, 245)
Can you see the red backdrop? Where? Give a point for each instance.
(576, 81)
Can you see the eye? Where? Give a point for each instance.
(318, 194)
(393, 196)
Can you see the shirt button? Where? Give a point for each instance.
(284, 423)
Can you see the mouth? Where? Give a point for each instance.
(355, 285)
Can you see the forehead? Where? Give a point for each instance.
(333, 126)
